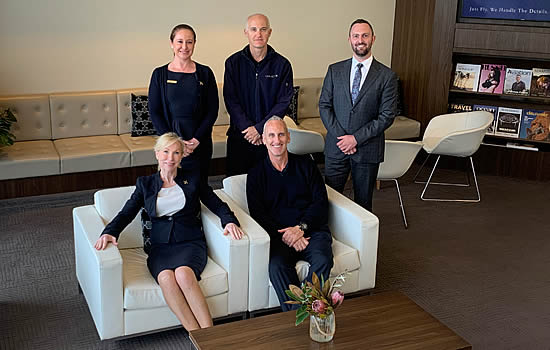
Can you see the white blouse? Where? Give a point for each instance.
(170, 200)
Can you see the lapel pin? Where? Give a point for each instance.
(185, 182)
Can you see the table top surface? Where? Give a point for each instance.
(382, 321)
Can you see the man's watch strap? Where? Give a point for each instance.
(303, 226)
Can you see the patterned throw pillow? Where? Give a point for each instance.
(292, 111)
(141, 123)
(146, 226)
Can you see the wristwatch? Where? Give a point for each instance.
(303, 226)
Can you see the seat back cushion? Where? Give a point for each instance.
(108, 203)
(235, 187)
(33, 116)
(83, 114)
(308, 98)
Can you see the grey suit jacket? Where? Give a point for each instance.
(372, 113)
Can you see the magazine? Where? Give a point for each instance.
(466, 77)
(540, 83)
(508, 122)
(493, 111)
(459, 107)
(492, 78)
(518, 81)
(535, 125)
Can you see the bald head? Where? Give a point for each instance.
(257, 16)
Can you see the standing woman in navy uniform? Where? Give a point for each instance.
(183, 98)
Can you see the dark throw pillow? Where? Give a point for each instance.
(141, 123)
(146, 226)
(292, 111)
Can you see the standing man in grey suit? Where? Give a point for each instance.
(358, 102)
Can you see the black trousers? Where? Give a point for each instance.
(242, 155)
(363, 176)
(282, 262)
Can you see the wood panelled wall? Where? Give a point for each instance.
(427, 38)
(422, 54)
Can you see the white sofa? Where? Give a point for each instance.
(355, 245)
(123, 297)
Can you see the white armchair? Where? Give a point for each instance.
(303, 141)
(123, 297)
(355, 245)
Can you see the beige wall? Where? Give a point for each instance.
(62, 45)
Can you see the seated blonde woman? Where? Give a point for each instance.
(171, 197)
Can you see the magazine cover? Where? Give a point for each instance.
(535, 125)
(459, 107)
(540, 83)
(508, 122)
(492, 110)
(466, 77)
(518, 81)
(492, 78)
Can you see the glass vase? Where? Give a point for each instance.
(322, 329)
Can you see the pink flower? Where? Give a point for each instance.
(318, 306)
(337, 298)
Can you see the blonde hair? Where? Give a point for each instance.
(166, 140)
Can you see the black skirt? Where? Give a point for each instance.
(170, 256)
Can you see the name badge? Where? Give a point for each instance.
(172, 81)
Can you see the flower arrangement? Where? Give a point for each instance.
(6, 120)
(318, 298)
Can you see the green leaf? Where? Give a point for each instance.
(291, 295)
(301, 317)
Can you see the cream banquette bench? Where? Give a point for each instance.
(66, 133)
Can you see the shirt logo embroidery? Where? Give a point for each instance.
(271, 75)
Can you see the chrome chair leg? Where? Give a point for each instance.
(401, 204)
(420, 169)
(478, 199)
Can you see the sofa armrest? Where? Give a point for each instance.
(99, 273)
(258, 270)
(231, 255)
(353, 225)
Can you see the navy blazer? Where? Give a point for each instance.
(373, 111)
(186, 224)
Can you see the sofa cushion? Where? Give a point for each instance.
(124, 108)
(28, 159)
(33, 116)
(314, 124)
(92, 153)
(141, 121)
(403, 128)
(141, 291)
(83, 114)
(141, 149)
(219, 141)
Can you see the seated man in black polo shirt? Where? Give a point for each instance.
(287, 197)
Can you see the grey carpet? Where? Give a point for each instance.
(482, 269)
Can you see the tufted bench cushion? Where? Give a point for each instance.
(33, 153)
(142, 292)
(92, 153)
(28, 159)
(141, 149)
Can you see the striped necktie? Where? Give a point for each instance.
(356, 83)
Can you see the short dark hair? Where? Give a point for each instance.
(360, 20)
(181, 27)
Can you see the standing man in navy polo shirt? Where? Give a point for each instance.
(257, 85)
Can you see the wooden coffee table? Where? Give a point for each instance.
(381, 321)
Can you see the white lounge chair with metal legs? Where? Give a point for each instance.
(457, 135)
(398, 157)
